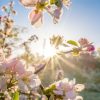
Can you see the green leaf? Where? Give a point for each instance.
(75, 52)
(56, 2)
(72, 42)
(49, 89)
(41, 6)
(16, 96)
(52, 1)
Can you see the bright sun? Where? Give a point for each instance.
(49, 51)
(45, 49)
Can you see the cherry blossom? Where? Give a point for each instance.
(54, 8)
(28, 3)
(36, 18)
(68, 89)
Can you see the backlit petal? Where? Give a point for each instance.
(28, 3)
(35, 18)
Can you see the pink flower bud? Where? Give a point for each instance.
(83, 41)
(90, 48)
(35, 18)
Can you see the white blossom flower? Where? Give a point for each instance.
(68, 89)
(23, 97)
(22, 86)
(28, 3)
(28, 81)
(79, 87)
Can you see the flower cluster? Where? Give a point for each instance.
(53, 7)
(84, 42)
(81, 46)
(19, 78)
(14, 77)
(65, 90)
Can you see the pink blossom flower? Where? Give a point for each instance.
(15, 66)
(83, 41)
(70, 95)
(35, 17)
(28, 3)
(57, 14)
(90, 48)
(68, 89)
(28, 81)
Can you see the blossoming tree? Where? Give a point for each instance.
(19, 78)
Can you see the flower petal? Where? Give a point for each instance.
(79, 87)
(28, 3)
(14, 65)
(83, 41)
(58, 92)
(57, 14)
(79, 98)
(71, 95)
(35, 18)
(66, 3)
(34, 81)
(90, 48)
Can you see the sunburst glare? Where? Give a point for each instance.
(49, 51)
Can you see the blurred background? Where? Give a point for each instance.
(81, 20)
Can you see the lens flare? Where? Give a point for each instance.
(49, 51)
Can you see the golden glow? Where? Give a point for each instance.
(44, 48)
(49, 51)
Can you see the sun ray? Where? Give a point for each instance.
(58, 63)
(52, 63)
(73, 66)
(52, 67)
(67, 62)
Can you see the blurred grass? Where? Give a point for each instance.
(84, 74)
(89, 95)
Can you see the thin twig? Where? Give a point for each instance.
(79, 48)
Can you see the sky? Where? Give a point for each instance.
(82, 19)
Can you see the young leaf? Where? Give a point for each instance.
(49, 89)
(75, 52)
(72, 42)
(58, 3)
(16, 96)
(52, 1)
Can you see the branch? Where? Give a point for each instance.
(79, 48)
(41, 68)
